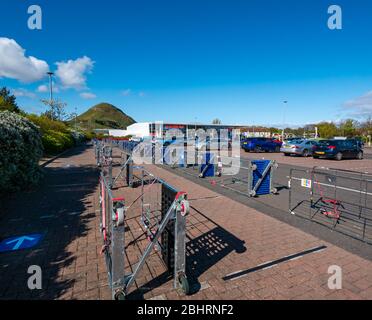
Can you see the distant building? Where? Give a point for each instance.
(142, 130)
(159, 129)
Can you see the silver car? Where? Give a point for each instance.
(301, 147)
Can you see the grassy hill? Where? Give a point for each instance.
(104, 116)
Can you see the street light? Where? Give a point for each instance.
(284, 110)
(50, 74)
(75, 118)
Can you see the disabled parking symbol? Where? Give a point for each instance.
(20, 242)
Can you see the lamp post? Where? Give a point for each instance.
(284, 110)
(75, 118)
(50, 74)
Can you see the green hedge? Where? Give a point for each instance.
(56, 142)
(20, 151)
(56, 135)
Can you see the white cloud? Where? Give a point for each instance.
(45, 88)
(20, 92)
(126, 92)
(42, 88)
(88, 95)
(361, 106)
(72, 73)
(15, 64)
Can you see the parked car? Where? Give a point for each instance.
(338, 149)
(301, 147)
(261, 144)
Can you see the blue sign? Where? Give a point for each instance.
(19, 243)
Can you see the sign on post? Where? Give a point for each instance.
(306, 183)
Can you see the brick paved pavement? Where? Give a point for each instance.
(224, 236)
(264, 239)
(63, 208)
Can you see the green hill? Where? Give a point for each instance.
(104, 116)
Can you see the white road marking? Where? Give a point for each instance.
(301, 255)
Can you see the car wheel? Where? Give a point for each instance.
(360, 155)
(257, 149)
(287, 154)
(316, 157)
(305, 153)
(339, 156)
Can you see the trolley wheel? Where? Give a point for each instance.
(274, 191)
(184, 284)
(252, 193)
(119, 295)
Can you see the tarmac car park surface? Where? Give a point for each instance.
(277, 206)
(364, 165)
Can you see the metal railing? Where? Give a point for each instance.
(163, 210)
(248, 177)
(338, 199)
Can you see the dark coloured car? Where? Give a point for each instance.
(261, 144)
(338, 149)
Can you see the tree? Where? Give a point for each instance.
(348, 128)
(56, 109)
(216, 121)
(327, 130)
(8, 101)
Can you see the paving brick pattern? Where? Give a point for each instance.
(223, 236)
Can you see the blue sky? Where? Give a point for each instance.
(186, 60)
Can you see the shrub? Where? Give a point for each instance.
(78, 137)
(51, 144)
(45, 124)
(55, 142)
(20, 151)
(56, 135)
(89, 135)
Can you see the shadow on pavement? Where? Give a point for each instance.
(212, 244)
(60, 208)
